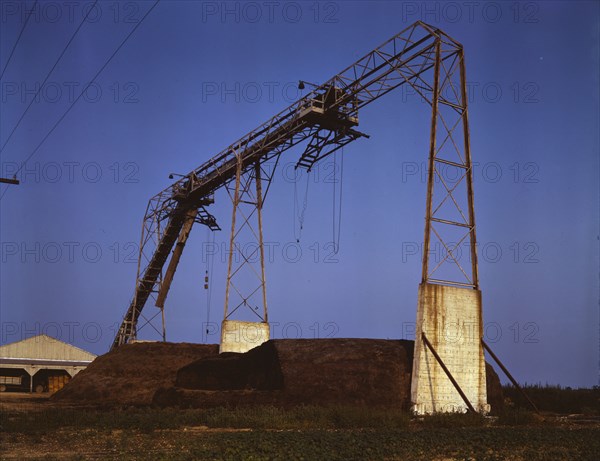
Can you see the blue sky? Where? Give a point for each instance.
(196, 76)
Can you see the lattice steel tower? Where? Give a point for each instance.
(449, 370)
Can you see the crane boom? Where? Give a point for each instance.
(327, 117)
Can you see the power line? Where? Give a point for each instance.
(48, 76)
(18, 38)
(84, 90)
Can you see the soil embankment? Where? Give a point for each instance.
(286, 372)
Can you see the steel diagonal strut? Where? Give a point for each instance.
(324, 120)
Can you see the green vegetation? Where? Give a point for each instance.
(309, 432)
(431, 444)
(152, 419)
(556, 399)
(261, 417)
(516, 417)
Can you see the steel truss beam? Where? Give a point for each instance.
(450, 217)
(324, 143)
(420, 56)
(156, 242)
(247, 197)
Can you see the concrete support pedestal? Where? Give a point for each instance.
(451, 319)
(237, 336)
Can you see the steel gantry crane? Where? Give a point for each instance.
(323, 121)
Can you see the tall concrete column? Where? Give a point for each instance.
(451, 319)
(238, 336)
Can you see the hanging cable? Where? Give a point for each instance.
(341, 199)
(210, 262)
(334, 201)
(336, 235)
(61, 118)
(18, 38)
(295, 205)
(299, 215)
(48, 75)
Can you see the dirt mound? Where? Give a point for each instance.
(258, 369)
(291, 372)
(300, 371)
(285, 372)
(131, 374)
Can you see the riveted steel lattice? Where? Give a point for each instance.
(321, 122)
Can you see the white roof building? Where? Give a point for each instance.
(38, 353)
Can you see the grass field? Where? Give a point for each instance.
(41, 430)
(507, 443)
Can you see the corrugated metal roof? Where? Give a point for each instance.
(44, 347)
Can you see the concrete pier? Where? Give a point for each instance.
(238, 336)
(451, 319)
